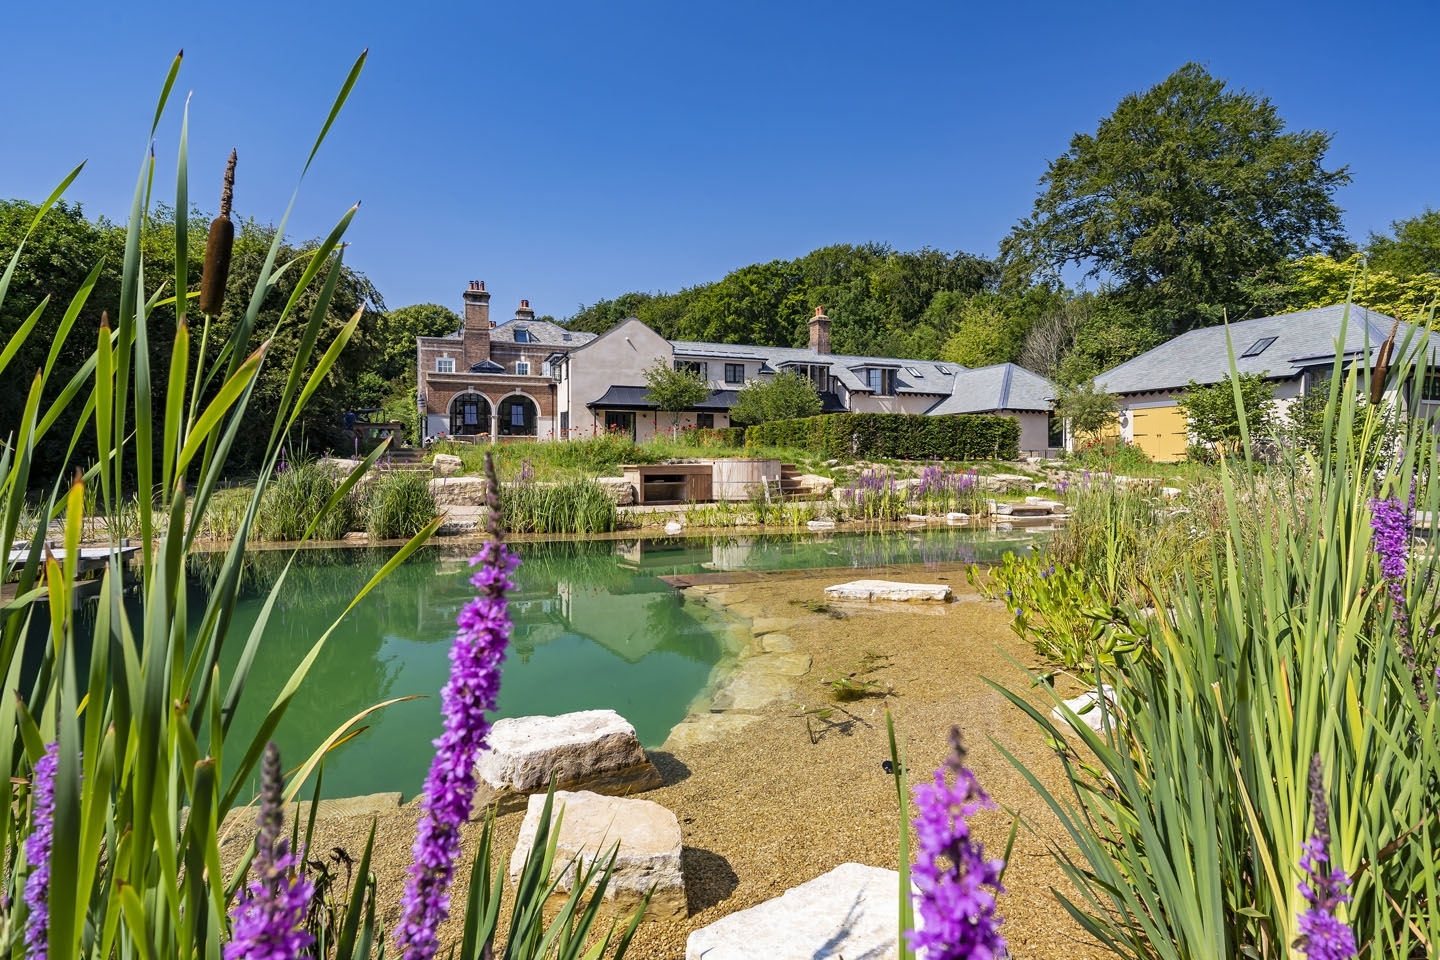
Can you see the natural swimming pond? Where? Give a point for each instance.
(595, 627)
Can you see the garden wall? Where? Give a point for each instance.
(901, 436)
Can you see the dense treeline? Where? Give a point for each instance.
(67, 246)
(1190, 204)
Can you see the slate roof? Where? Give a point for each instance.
(540, 331)
(1303, 339)
(1003, 386)
(930, 377)
(638, 398)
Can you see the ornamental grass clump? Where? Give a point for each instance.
(1187, 814)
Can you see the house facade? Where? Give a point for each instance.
(526, 378)
(492, 380)
(1294, 351)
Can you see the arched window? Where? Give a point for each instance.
(517, 417)
(469, 415)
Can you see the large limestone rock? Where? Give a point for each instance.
(1006, 482)
(592, 750)
(649, 849)
(458, 491)
(814, 485)
(846, 913)
(619, 489)
(870, 590)
(447, 465)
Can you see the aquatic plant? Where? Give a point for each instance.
(576, 506)
(398, 504)
(1185, 816)
(296, 497)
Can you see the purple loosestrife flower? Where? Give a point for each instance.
(957, 911)
(1390, 535)
(474, 685)
(269, 917)
(37, 854)
(1322, 935)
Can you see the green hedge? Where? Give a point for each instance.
(898, 436)
(731, 436)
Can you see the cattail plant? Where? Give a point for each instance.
(218, 247)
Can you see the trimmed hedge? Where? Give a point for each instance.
(731, 436)
(896, 436)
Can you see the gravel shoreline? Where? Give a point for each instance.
(792, 795)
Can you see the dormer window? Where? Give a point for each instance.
(444, 364)
(522, 335)
(880, 381)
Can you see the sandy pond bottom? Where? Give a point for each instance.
(776, 804)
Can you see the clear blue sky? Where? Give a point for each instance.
(569, 152)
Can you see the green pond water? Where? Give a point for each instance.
(595, 627)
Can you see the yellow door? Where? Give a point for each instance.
(1161, 432)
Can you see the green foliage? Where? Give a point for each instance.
(298, 495)
(1279, 642)
(675, 391)
(874, 296)
(398, 330)
(1088, 410)
(1214, 418)
(987, 330)
(398, 504)
(1323, 281)
(1181, 193)
(785, 396)
(576, 506)
(901, 436)
(1412, 249)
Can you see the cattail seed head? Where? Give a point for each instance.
(218, 247)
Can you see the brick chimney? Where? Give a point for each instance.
(477, 323)
(523, 312)
(820, 331)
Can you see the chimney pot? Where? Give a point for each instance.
(525, 304)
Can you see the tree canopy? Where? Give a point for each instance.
(675, 390)
(1179, 195)
(785, 396)
(1213, 417)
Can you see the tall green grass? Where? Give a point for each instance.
(576, 506)
(296, 497)
(1185, 816)
(398, 504)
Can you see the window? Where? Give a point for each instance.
(705, 421)
(693, 366)
(444, 364)
(1258, 347)
(734, 373)
(517, 416)
(565, 337)
(874, 378)
(523, 336)
(915, 372)
(620, 421)
(1431, 391)
(564, 422)
(522, 368)
(943, 371)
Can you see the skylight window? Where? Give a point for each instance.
(914, 372)
(1258, 347)
(943, 371)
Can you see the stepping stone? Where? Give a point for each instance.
(706, 727)
(820, 524)
(763, 625)
(751, 688)
(888, 590)
(847, 913)
(777, 643)
(649, 852)
(592, 750)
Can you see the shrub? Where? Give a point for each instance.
(398, 504)
(785, 396)
(297, 496)
(901, 436)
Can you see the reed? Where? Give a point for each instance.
(398, 505)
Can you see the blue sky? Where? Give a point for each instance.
(569, 152)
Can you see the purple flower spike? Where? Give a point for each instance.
(473, 687)
(269, 917)
(37, 854)
(1322, 935)
(1390, 535)
(957, 911)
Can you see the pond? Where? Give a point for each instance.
(595, 627)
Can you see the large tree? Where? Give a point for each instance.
(1179, 195)
(1412, 247)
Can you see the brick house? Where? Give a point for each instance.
(493, 380)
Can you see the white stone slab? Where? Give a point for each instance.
(847, 913)
(648, 855)
(889, 590)
(1087, 708)
(596, 749)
